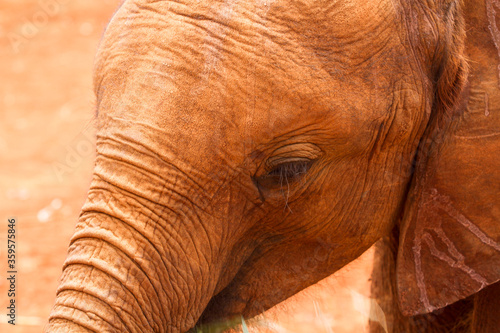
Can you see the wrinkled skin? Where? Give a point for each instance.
(248, 149)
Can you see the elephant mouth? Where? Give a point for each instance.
(236, 300)
(242, 296)
(258, 285)
(224, 311)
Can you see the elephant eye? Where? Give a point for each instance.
(285, 173)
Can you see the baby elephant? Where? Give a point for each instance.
(247, 149)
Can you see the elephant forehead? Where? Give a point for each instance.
(345, 33)
(259, 66)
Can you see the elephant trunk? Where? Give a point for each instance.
(134, 265)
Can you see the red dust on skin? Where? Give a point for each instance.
(47, 110)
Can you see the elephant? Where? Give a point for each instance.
(247, 149)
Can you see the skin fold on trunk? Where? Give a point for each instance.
(132, 266)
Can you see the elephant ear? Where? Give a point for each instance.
(449, 245)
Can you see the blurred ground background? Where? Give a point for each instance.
(46, 153)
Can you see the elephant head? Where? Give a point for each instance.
(248, 149)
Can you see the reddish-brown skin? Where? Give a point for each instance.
(449, 236)
(238, 140)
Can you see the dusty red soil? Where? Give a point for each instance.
(46, 131)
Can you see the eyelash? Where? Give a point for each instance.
(285, 174)
(291, 171)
